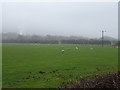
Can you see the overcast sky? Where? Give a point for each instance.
(78, 19)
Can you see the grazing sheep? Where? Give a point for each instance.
(76, 48)
(91, 48)
(62, 51)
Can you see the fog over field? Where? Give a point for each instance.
(66, 19)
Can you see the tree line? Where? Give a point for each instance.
(50, 39)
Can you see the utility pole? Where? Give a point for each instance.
(103, 37)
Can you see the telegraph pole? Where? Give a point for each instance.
(103, 37)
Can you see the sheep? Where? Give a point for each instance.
(76, 48)
(62, 51)
(91, 48)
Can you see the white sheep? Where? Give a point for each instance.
(62, 51)
(76, 48)
(91, 48)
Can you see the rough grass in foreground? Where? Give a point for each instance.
(109, 80)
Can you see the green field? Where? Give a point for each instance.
(0, 65)
(44, 66)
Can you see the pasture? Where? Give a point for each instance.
(44, 66)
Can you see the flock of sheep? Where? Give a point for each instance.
(62, 51)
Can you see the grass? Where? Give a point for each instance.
(22, 64)
(0, 65)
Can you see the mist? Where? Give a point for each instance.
(65, 19)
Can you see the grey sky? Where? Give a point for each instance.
(80, 19)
